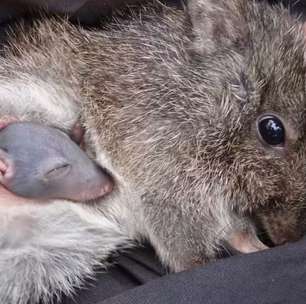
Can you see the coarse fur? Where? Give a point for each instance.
(169, 99)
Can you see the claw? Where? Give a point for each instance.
(246, 242)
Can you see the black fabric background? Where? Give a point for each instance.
(273, 276)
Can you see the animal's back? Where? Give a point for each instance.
(137, 87)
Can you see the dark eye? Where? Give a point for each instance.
(271, 130)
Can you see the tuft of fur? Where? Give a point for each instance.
(48, 251)
(169, 99)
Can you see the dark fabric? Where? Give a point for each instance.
(273, 276)
(130, 269)
(84, 11)
(89, 11)
(297, 7)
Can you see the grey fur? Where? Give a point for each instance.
(169, 104)
(48, 250)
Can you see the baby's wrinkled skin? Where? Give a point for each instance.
(198, 115)
(40, 162)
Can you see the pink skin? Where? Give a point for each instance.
(5, 195)
(6, 120)
(7, 168)
(8, 199)
(77, 134)
(246, 242)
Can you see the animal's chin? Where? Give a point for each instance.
(8, 199)
(280, 236)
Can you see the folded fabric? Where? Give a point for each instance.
(273, 276)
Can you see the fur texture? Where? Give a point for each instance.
(169, 99)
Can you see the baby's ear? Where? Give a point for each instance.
(217, 23)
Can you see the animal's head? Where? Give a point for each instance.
(251, 58)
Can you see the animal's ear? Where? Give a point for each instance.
(217, 23)
(304, 40)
